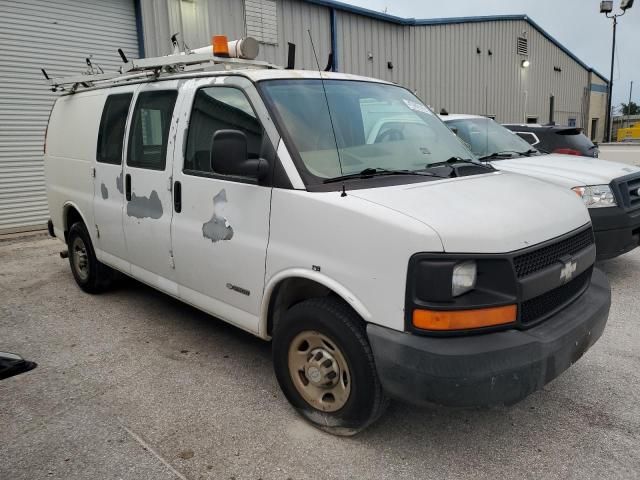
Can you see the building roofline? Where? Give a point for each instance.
(385, 17)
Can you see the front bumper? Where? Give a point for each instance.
(615, 230)
(493, 368)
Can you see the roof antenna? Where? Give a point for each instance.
(326, 97)
(291, 56)
(91, 68)
(174, 42)
(123, 56)
(329, 67)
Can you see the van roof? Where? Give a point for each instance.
(257, 75)
(255, 72)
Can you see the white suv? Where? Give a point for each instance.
(377, 264)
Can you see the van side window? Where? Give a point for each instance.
(219, 108)
(150, 129)
(112, 124)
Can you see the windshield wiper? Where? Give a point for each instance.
(455, 160)
(506, 154)
(530, 152)
(378, 172)
(451, 161)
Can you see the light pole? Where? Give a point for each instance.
(606, 7)
(629, 104)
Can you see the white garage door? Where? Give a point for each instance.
(56, 35)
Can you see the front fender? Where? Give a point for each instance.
(317, 277)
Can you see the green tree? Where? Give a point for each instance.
(631, 109)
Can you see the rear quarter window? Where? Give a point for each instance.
(112, 128)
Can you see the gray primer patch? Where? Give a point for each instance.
(143, 207)
(218, 227)
(119, 183)
(104, 191)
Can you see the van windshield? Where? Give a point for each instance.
(377, 126)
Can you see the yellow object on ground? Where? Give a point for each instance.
(632, 132)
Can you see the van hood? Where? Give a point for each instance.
(567, 170)
(492, 213)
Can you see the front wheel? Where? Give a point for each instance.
(325, 367)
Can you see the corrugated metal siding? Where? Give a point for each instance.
(161, 18)
(438, 61)
(597, 109)
(56, 35)
(366, 45)
(441, 63)
(295, 18)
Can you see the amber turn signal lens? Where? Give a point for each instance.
(220, 45)
(464, 319)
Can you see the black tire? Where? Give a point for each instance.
(333, 319)
(96, 277)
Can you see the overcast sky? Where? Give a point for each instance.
(577, 24)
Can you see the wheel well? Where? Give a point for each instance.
(71, 216)
(289, 292)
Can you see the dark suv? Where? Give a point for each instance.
(556, 139)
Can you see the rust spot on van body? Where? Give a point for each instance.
(218, 227)
(143, 207)
(119, 183)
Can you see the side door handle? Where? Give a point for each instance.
(177, 197)
(127, 187)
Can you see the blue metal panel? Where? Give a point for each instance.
(138, 9)
(334, 40)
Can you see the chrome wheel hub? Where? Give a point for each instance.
(319, 371)
(80, 258)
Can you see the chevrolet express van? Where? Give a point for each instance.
(379, 266)
(610, 190)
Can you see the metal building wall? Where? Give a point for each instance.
(441, 63)
(56, 35)
(366, 45)
(597, 108)
(200, 19)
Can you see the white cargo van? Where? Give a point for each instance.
(610, 190)
(378, 266)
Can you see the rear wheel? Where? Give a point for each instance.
(325, 366)
(90, 275)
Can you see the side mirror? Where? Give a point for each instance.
(229, 156)
(454, 130)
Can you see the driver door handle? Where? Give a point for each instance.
(127, 187)
(177, 197)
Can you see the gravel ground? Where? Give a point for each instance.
(132, 384)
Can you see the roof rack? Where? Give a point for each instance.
(154, 68)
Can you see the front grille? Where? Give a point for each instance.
(630, 193)
(542, 306)
(536, 260)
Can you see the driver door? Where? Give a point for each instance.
(221, 223)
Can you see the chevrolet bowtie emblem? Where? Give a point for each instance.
(568, 270)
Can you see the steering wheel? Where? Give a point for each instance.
(390, 135)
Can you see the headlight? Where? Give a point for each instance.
(464, 277)
(596, 196)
